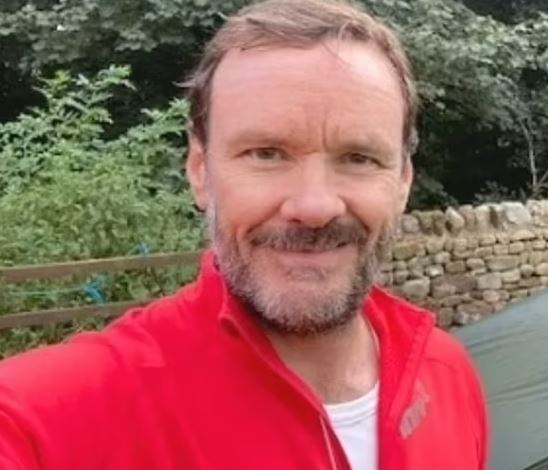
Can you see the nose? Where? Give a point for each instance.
(314, 201)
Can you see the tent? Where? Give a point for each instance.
(510, 350)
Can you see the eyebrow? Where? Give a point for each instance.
(284, 139)
(266, 138)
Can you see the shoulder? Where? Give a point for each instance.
(446, 349)
(440, 345)
(88, 359)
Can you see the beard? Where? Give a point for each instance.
(317, 307)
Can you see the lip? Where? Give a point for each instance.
(319, 258)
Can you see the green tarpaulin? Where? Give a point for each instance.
(511, 351)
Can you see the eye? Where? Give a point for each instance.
(266, 154)
(356, 158)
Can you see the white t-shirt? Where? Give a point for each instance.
(355, 423)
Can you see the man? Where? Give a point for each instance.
(282, 355)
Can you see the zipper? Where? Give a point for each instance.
(328, 444)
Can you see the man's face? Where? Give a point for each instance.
(302, 177)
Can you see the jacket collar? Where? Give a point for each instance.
(401, 328)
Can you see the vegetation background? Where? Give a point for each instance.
(92, 128)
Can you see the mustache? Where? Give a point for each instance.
(300, 238)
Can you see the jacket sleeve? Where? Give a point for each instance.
(16, 451)
(483, 426)
(479, 413)
(51, 400)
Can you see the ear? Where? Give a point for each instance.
(406, 179)
(196, 171)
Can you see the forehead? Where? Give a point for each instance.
(331, 88)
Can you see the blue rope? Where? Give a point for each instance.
(94, 289)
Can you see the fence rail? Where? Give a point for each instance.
(84, 268)
(19, 274)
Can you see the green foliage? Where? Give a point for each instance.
(68, 193)
(484, 87)
(482, 81)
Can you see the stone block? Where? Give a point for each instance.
(416, 273)
(516, 248)
(516, 214)
(416, 289)
(530, 282)
(502, 263)
(478, 272)
(467, 212)
(504, 295)
(460, 244)
(502, 238)
(535, 258)
(404, 250)
(455, 267)
(434, 245)
(490, 281)
(538, 245)
(475, 263)
(539, 212)
(464, 255)
(491, 296)
(498, 306)
(386, 279)
(519, 294)
(473, 243)
(454, 300)
(425, 220)
(400, 277)
(542, 269)
(483, 252)
(477, 307)
(442, 289)
(455, 221)
(444, 317)
(434, 270)
(483, 218)
(400, 265)
(498, 217)
(410, 224)
(487, 239)
(438, 222)
(514, 275)
(442, 258)
(527, 270)
(463, 318)
(463, 282)
(499, 250)
(476, 295)
(522, 234)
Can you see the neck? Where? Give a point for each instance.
(339, 365)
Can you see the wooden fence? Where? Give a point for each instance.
(19, 274)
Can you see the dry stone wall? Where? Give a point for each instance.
(468, 262)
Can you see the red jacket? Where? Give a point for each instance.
(191, 382)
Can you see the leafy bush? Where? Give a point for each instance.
(69, 193)
(483, 82)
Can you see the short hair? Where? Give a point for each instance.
(299, 23)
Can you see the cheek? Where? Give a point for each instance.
(243, 202)
(376, 201)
